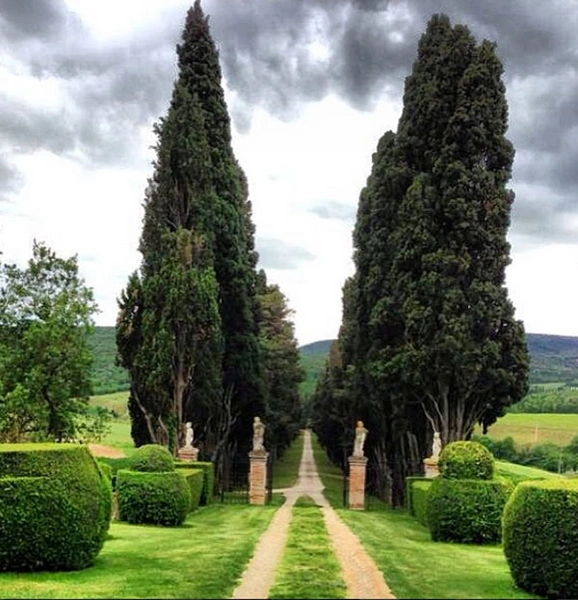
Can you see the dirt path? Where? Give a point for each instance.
(360, 574)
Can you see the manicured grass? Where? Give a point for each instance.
(416, 567)
(520, 472)
(529, 428)
(308, 566)
(286, 469)
(202, 559)
(330, 475)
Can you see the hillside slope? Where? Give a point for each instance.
(552, 358)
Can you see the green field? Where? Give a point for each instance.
(529, 428)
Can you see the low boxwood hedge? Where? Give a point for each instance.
(208, 479)
(115, 464)
(157, 498)
(194, 479)
(415, 493)
(540, 537)
(151, 458)
(466, 460)
(466, 510)
(55, 506)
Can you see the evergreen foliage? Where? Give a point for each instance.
(151, 458)
(428, 337)
(466, 460)
(283, 372)
(186, 329)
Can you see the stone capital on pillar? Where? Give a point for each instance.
(257, 476)
(431, 467)
(188, 453)
(356, 491)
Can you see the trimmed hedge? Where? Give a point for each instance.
(195, 479)
(540, 537)
(55, 506)
(466, 510)
(420, 492)
(115, 464)
(208, 479)
(106, 470)
(415, 494)
(151, 458)
(157, 498)
(466, 460)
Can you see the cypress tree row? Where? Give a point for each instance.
(187, 329)
(428, 340)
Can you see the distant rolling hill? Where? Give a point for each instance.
(552, 358)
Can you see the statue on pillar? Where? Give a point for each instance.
(258, 435)
(436, 446)
(188, 435)
(360, 435)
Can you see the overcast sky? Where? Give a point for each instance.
(311, 86)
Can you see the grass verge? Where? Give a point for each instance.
(308, 566)
(202, 559)
(286, 469)
(331, 475)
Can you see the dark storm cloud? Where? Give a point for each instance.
(280, 54)
(35, 19)
(369, 47)
(275, 254)
(106, 91)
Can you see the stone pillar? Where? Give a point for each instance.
(257, 477)
(188, 453)
(356, 491)
(431, 467)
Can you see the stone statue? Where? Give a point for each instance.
(436, 446)
(258, 435)
(360, 435)
(188, 434)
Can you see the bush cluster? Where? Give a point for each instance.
(55, 506)
(467, 510)
(465, 502)
(466, 460)
(540, 537)
(151, 458)
(157, 498)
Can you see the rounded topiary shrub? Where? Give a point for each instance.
(540, 537)
(157, 498)
(466, 510)
(151, 458)
(466, 460)
(55, 506)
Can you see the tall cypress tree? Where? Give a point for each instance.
(430, 335)
(233, 244)
(187, 327)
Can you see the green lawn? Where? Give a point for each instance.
(116, 402)
(202, 559)
(286, 469)
(413, 566)
(308, 566)
(416, 567)
(529, 428)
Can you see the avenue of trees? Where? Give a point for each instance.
(428, 340)
(203, 336)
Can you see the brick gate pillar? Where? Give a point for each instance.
(257, 477)
(356, 490)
